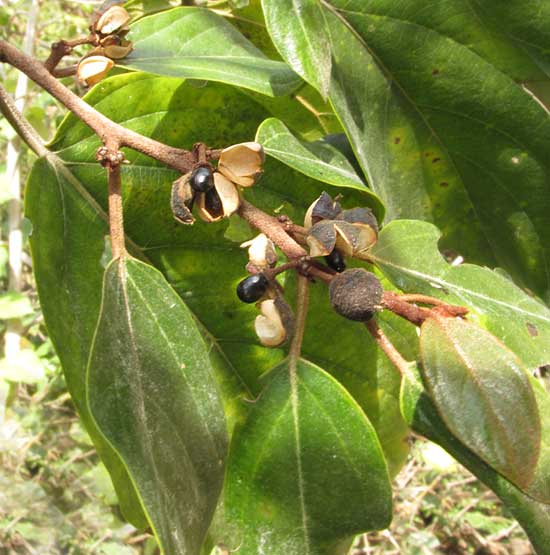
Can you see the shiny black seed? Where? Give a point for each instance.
(335, 260)
(213, 203)
(202, 179)
(252, 288)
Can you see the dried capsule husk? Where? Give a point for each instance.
(321, 239)
(354, 239)
(219, 202)
(323, 208)
(261, 251)
(182, 199)
(118, 51)
(356, 294)
(112, 20)
(275, 324)
(359, 215)
(242, 163)
(92, 69)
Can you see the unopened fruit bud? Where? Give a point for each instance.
(356, 294)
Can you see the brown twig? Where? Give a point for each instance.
(302, 301)
(63, 48)
(414, 314)
(179, 159)
(273, 228)
(111, 158)
(387, 346)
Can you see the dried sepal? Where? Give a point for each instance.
(112, 20)
(274, 325)
(182, 198)
(323, 208)
(359, 215)
(354, 239)
(356, 294)
(219, 202)
(321, 239)
(261, 251)
(92, 69)
(242, 163)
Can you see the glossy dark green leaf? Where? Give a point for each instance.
(306, 470)
(527, 24)
(308, 52)
(153, 395)
(196, 43)
(67, 244)
(407, 254)
(428, 99)
(318, 159)
(483, 394)
(421, 414)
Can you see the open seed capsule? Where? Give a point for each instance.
(202, 179)
(242, 163)
(112, 20)
(92, 69)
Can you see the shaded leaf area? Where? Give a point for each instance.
(306, 470)
(427, 96)
(152, 392)
(196, 43)
(407, 254)
(483, 394)
(422, 415)
(201, 263)
(525, 24)
(319, 160)
(67, 246)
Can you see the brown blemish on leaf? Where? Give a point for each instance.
(397, 140)
(533, 331)
(435, 160)
(443, 184)
(435, 71)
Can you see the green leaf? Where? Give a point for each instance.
(319, 160)
(309, 53)
(200, 262)
(66, 253)
(152, 392)
(306, 470)
(482, 392)
(440, 127)
(196, 43)
(407, 254)
(421, 414)
(525, 24)
(14, 305)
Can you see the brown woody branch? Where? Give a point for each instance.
(63, 48)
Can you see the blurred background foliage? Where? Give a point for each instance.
(55, 495)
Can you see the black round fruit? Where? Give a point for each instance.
(356, 294)
(252, 288)
(202, 179)
(335, 260)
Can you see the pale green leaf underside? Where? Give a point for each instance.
(306, 470)
(318, 159)
(421, 414)
(483, 394)
(152, 392)
(195, 43)
(407, 254)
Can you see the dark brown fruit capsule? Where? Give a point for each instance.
(356, 294)
(202, 179)
(252, 288)
(335, 260)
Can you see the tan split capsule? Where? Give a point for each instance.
(93, 69)
(261, 251)
(274, 325)
(112, 20)
(219, 202)
(242, 163)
